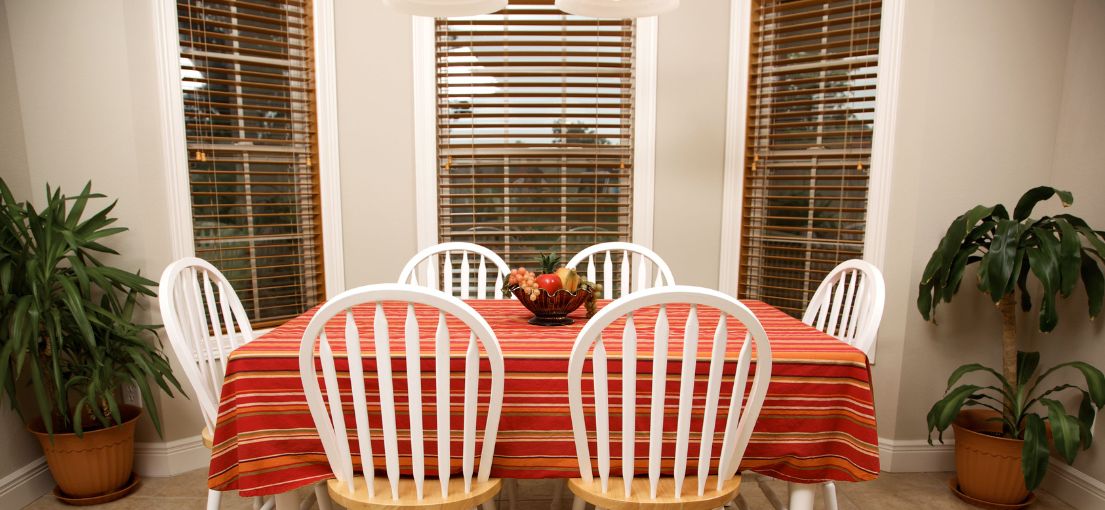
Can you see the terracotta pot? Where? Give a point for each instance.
(97, 463)
(988, 466)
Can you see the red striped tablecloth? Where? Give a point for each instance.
(817, 423)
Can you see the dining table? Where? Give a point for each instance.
(817, 423)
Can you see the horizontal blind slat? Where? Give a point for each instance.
(249, 120)
(534, 129)
(812, 83)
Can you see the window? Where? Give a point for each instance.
(534, 130)
(811, 104)
(248, 89)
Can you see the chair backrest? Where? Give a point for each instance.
(331, 425)
(439, 259)
(738, 427)
(204, 321)
(646, 261)
(848, 304)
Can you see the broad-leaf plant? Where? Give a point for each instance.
(1060, 251)
(67, 318)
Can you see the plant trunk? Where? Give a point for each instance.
(1008, 307)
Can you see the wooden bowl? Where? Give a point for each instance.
(552, 309)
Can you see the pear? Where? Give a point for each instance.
(568, 279)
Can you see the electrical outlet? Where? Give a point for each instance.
(131, 395)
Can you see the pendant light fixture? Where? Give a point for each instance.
(446, 8)
(616, 8)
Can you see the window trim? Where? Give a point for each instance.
(425, 132)
(882, 150)
(175, 151)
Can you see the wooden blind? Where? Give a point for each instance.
(248, 84)
(535, 130)
(811, 100)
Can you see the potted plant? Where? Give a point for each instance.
(1002, 448)
(69, 333)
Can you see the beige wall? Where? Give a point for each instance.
(13, 155)
(692, 69)
(375, 123)
(1025, 108)
(1079, 165)
(978, 107)
(18, 446)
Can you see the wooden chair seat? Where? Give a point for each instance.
(615, 499)
(431, 495)
(208, 438)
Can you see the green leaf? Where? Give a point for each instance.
(938, 265)
(78, 413)
(924, 300)
(1035, 452)
(1065, 430)
(1095, 240)
(147, 397)
(1095, 381)
(1086, 416)
(1035, 195)
(955, 275)
(1026, 366)
(1070, 257)
(949, 406)
(1002, 257)
(1094, 282)
(976, 367)
(1042, 258)
(44, 402)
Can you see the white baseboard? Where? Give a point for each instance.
(26, 484)
(170, 458)
(916, 456)
(1074, 487)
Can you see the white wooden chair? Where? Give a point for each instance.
(701, 489)
(647, 263)
(205, 321)
(438, 259)
(848, 305)
(366, 491)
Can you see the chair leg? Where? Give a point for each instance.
(828, 490)
(578, 503)
(489, 505)
(213, 499)
(322, 496)
(801, 495)
(267, 502)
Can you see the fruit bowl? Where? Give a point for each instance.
(552, 309)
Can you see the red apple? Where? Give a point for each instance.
(549, 283)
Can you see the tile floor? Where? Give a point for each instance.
(890, 492)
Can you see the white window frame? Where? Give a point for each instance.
(882, 150)
(425, 131)
(174, 143)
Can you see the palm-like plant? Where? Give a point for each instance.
(67, 318)
(1059, 251)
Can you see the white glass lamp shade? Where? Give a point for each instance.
(446, 8)
(616, 8)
